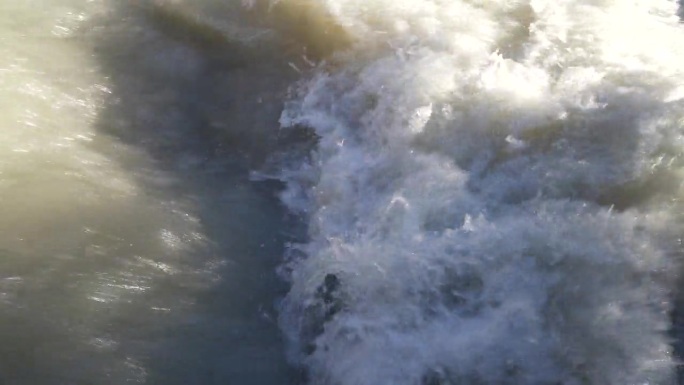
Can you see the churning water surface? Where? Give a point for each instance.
(341, 192)
(133, 247)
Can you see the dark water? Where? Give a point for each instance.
(144, 254)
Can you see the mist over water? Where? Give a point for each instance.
(340, 192)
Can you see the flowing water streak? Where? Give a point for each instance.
(133, 249)
(495, 196)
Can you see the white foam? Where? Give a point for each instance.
(488, 192)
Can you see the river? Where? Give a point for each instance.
(341, 192)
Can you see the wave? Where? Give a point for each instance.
(494, 195)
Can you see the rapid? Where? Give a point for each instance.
(341, 192)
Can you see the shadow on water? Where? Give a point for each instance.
(204, 110)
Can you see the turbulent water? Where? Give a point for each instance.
(341, 192)
(133, 247)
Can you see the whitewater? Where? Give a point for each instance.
(494, 196)
(341, 192)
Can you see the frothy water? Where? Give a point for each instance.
(495, 195)
(474, 192)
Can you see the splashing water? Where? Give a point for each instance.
(494, 196)
(491, 191)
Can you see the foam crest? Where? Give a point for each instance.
(493, 196)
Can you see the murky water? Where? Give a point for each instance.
(133, 247)
(341, 192)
